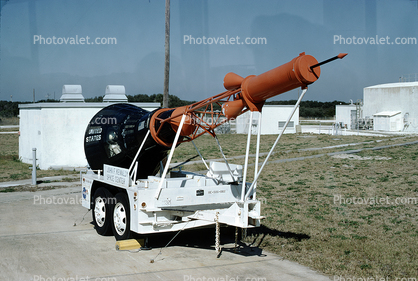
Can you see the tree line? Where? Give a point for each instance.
(312, 109)
(315, 109)
(9, 108)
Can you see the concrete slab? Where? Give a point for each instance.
(45, 181)
(330, 130)
(43, 236)
(10, 127)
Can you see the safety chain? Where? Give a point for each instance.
(217, 235)
(243, 233)
(236, 239)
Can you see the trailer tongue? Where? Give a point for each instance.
(129, 186)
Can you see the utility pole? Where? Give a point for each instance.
(167, 53)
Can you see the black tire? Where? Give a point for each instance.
(102, 206)
(121, 224)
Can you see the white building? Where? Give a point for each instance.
(346, 116)
(273, 120)
(392, 106)
(57, 130)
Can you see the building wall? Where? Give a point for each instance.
(401, 97)
(57, 131)
(388, 121)
(343, 114)
(272, 117)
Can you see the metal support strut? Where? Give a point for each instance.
(223, 155)
(275, 143)
(173, 147)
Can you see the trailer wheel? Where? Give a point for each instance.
(121, 217)
(102, 211)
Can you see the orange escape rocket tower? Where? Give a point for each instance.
(116, 144)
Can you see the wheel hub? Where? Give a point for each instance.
(119, 218)
(100, 211)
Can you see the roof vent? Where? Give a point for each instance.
(71, 93)
(115, 93)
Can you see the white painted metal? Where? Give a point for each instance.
(116, 175)
(173, 147)
(247, 153)
(115, 93)
(72, 93)
(220, 172)
(34, 181)
(139, 150)
(186, 202)
(257, 153)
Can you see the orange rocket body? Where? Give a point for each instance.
(242, 94)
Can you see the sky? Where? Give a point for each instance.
(39, 50)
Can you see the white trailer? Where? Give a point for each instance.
(170, 202)
(186, 201)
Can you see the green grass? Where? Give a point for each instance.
(12, 168)
(347, 239)
(304, 224)
(8, 189)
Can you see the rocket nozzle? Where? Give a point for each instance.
(339, 56)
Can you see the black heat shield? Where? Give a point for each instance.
(114, 136)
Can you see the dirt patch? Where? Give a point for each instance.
(357, 157)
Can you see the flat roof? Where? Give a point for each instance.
(278, 105)
(345, 105)
(82, 104)
(387, 113)
(395, 85)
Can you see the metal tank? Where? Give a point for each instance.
(113, 137)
